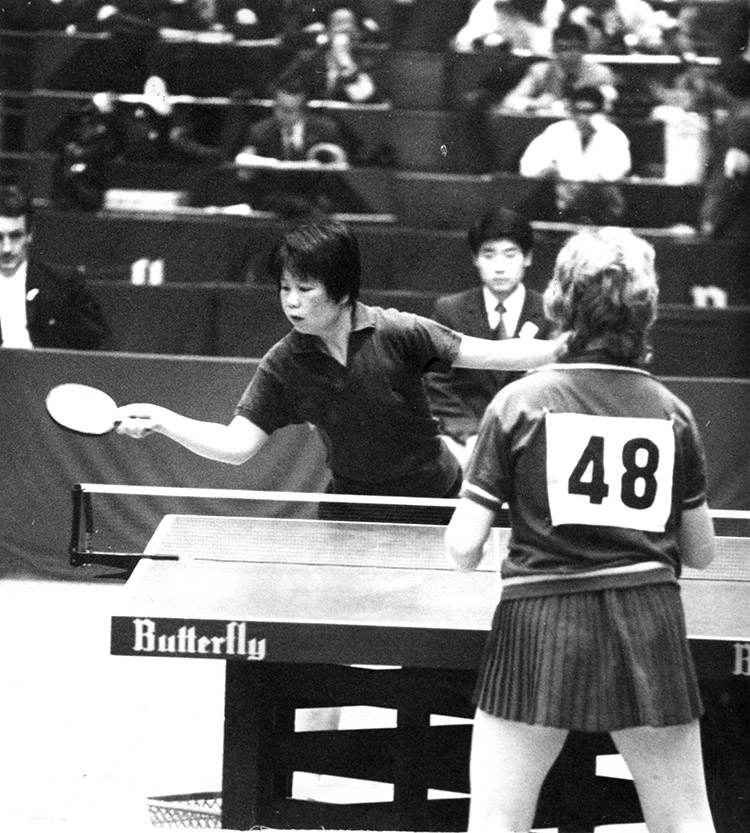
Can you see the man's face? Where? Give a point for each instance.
(15, 241)
(289, 108)
(582, 113)
(342, 21)
(501, 265)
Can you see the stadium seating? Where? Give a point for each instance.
(421, 184)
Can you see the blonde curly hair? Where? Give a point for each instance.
(604, 293)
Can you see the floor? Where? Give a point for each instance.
(86, 737)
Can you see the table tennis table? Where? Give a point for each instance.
(312, 613)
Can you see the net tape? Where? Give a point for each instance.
(391, 545)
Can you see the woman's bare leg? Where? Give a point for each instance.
(509, 762)
(667, 767)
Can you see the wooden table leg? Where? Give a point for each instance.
(247, 779)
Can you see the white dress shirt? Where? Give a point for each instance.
(559, 150)
(13, 310)
(513, 305)
(489, 17)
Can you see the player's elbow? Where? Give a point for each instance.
(701, 558)
(696, 538)
(461, 553)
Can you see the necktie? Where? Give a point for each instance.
(500, 332)
(287, 140)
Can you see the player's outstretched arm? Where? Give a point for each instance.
(234, 443)
(467, 532)
(506, 354)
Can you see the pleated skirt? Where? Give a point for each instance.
(593, 661)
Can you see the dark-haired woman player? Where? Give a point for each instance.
(355, 372)
(603, 470)
(352, 370)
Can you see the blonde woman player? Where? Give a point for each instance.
(603, 470)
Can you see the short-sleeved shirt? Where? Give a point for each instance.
(597, 462)
(605, 157)
(373, 413)
(547, 77)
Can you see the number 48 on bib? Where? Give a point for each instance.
(610, 471)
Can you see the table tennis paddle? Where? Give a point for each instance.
(82, 409)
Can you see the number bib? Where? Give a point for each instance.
(610, 471)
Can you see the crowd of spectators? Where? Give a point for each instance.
(298, 23)
(545, 53)
(726, 209)
(105, 130)
(524, 24)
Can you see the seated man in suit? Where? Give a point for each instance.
(291, 131)
(334, 70)
(501, 306)
(39, 307)
(292, 134)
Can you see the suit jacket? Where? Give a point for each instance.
(61, 311)
(265, 136)
(459, 397)
(312, 68)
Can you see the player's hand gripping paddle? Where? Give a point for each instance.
(82, 409)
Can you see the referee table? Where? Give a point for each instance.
(310, 613)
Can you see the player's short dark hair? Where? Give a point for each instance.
(501, 224)
(604, 291)
(14, 202)
(326, 251)
(570, 32)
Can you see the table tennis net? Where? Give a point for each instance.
(315, 542)
(235, 525)
(364, 544)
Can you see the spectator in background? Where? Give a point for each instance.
(543, 89)
(523, 24)
(577, 152)
(292, 131)
(704, 29)
(292, 134)
(333, 71)
(39, 307)
(501, 244)
(250, 19)
(689, 106)
(156, 130)
(695, 89)
(305, 23)
(245, 19)
(622, 26)
(132, 48)
(85, 144)
(726, 207)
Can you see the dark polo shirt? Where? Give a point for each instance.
(373, 413)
